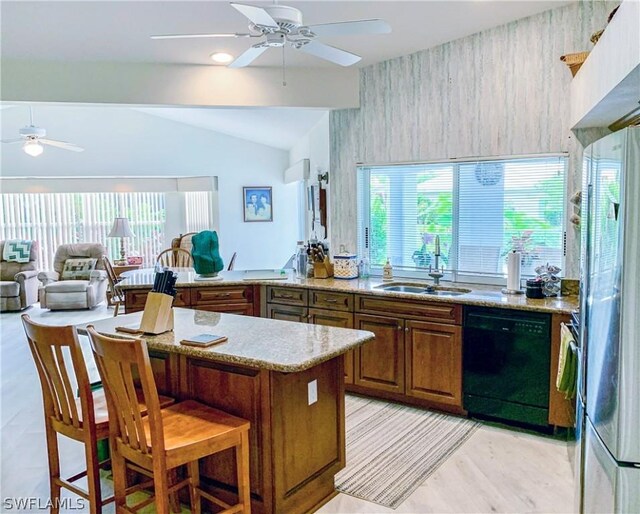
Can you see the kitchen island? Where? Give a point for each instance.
(285, 378)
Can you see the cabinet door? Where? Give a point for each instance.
(380, 363)
(434, 362)
(336, 319)
(287, 312)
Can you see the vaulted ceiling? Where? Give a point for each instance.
(120, 30)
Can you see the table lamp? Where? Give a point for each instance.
(121, 229)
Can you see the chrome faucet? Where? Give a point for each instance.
(438, 273)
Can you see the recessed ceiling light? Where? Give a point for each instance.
(221, 57)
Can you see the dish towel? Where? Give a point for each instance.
(567, 364)
(16, 250)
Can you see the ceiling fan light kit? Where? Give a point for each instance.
(33, 148)
(282, 26)
(32, 139)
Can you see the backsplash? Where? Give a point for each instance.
(503, 91)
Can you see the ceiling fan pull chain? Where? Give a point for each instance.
(284, 76)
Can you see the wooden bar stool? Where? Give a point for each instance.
(181, 434)
(84, 419)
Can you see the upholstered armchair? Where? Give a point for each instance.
(18, 281)
(78, 279)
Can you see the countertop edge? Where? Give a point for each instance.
(460, 300)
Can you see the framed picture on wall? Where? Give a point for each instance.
(258, 204)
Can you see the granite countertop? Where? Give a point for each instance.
(253, 342)
(482, 295)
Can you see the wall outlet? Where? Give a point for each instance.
(312, 392)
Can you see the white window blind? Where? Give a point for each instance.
(480, 209)
(198, 211)
(53, 219)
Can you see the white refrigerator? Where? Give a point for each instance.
(609, 377)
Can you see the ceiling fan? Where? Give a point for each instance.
(279, 26)
(33, 138)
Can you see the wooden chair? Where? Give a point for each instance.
(84, 419)
(115, 295)
(232, 262)
(180, 434)
(175, 258)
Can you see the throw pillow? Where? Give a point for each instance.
(78, 269)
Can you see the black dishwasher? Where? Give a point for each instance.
(506, 364)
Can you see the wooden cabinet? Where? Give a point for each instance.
(287, 312)
(332, 309)
(379, 364)
(287, 295)
(416, 356)
(331, 300)
(562, 412)
(135, 299)
(336, 319)
(233, 300)
(330, 318)
(433, 362)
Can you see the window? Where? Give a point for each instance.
(53, 219)
(480, 210)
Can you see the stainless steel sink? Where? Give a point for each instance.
(404, 289)
(417, 288)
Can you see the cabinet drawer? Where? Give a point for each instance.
(213, 295)
(327, 300)
(287, 295)
(183, 298)
(244, 309)
(136, 299)
(287, 312)
(441, 312)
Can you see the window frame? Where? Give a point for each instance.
(363, 212)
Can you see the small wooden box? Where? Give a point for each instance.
(323, 269)
(157, 317)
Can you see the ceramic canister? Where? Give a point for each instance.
(345, 265)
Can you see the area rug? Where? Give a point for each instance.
(392, 449)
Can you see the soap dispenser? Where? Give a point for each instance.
(387, 271)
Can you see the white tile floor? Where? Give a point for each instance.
(496, 470)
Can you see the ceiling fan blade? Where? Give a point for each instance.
(351, 28)
(196, 36)
(330, 53)
(246, 58)
(13, 141)
(61, 144)
(256, 14)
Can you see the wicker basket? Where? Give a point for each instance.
(574, 61)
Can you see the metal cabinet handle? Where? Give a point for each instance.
(287, 296)
(309, 316)
(399, 327)
(330, 300)
(222, 295)
(406, 329)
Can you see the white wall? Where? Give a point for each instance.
(121, 142)
(313, 146)
(500, 92)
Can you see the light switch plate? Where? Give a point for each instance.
(312, 392)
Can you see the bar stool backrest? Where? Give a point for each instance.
(119, 361)
(48, 345)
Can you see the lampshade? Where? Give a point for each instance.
(120, 228)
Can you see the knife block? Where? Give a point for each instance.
(323, 269)
(157, 317)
